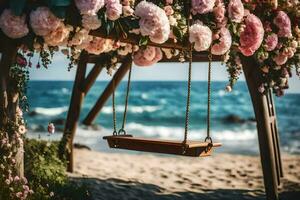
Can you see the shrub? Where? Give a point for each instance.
(47, 175)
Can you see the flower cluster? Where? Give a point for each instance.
(232, 29)
(271, 37)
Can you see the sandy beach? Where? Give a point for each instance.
(149, 176)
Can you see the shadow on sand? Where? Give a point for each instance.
(115, 189)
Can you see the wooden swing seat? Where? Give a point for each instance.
(193, 148)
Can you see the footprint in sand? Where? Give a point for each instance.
(164, 176)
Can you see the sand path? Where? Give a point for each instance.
(222, 176)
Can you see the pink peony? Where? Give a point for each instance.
(219, 11)
(271, 42)
(202, 6)
(91, 22)
(89, 7)
(283, 23)
(99, 45)
(13, 26)
(224, 43)
(280, 59)
(59, 36)
(201, 35)
(236, 10)
(169, 10)
(154, 22)
(148, 56)
(43, 21)
(252, 35)
(113, 9)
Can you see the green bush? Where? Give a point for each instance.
(47, 175)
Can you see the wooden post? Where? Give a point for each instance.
(91, 78)
(108, 91)
(261, 106)
(66, 146)
(9, 100)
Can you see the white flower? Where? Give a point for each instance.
(201, 35)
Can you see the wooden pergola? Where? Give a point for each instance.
(263, 104)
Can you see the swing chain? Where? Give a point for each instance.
(122, 130)
(114, 108)
(208, 138)
(188, 100)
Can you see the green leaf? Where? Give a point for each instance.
(109, 26)
(177, 32)
(143, 41)
(17, 6)
(59, 11)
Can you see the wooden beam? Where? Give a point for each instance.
(66, 146)
(261, 110)
(197, 57)
(91, 78)
(275, 134)
(117, 78)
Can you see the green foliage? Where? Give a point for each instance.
(46, 173)
(144, 41)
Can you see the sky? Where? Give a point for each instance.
(158, 72)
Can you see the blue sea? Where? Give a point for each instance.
(157, 110)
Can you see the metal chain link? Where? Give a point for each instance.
(122, 130)
(208, 138)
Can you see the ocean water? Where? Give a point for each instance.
(157, 109)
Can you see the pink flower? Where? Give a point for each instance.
(43, 22)
(201, 35)
(271, 42)
(51, 128)
(13, 26)
(168, 2)
(17, 178)
(224, 43)
(153, 22)
(280, 59)
(202, 6)
(169, 10)
(99, 45)
(148, 56)
(19, 194)
(283, 23)
(236, 10)
(252, 35)
(58, 36)
(113, 9)
(20, 60)
(91, 22)
(89, 7)
(219, 11)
